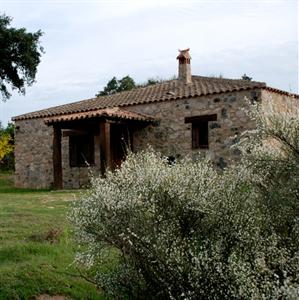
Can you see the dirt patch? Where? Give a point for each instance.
(53, 198)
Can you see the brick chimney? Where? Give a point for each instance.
(184, 66)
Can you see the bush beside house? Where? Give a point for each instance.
(185, 231)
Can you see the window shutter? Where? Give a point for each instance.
(200, 130)
(195, 136)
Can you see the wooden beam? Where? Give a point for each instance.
(203, 118)
(70, 132)
(57, 165)
(105, 146)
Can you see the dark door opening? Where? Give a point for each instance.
(121, 142)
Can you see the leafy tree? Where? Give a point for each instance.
(20, 54)
(125, 84)
(115, 86)
(245, 77)
(7, 147)
(9, 129)
(152, 81)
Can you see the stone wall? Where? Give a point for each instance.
(76, 177)
(173, 137)
(34, 158)
(281, 101)
(33, 154)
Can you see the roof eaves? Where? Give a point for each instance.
(278, 91)
(114, 113)
(153, 100)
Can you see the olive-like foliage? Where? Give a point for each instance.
(20, 54)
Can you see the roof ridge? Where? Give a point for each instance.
(229, 79)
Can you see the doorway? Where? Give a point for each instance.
(121, 142)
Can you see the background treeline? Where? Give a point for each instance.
(7, 147)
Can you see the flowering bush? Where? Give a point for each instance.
(185, 231)
(7, 147)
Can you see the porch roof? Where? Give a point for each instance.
(114, 113)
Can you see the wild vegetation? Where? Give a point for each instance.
(186, 231)
(7, 147)
(36, 246)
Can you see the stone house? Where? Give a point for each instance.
(185, 116)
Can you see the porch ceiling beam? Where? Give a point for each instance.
(70, 132)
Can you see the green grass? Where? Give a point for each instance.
(33, 260)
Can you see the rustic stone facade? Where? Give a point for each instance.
(171, 136)
(33, 154)
(192, 115)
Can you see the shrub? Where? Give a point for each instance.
(7, 147)
(185, 231)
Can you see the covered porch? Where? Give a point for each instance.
(98, 139)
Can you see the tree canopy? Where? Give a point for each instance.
(114, 86)
(7, 147)
(20, 53)
(246, 77)
(124, 84)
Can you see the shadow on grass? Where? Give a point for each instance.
(22, 252)
(7, 185)
(13, 190)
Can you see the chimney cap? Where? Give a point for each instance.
(184, 54)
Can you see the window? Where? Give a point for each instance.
(200, 130)
(81, 150)
(200, 135)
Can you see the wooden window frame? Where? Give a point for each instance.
(76, 142)
(200, 130)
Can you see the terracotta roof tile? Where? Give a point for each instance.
(169, 90)
(114, 112)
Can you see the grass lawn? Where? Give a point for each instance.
(36, 249)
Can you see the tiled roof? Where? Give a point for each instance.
(168, 90)
(115, 113)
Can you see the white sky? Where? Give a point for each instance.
(89, 42)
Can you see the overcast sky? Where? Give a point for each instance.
(88, 42)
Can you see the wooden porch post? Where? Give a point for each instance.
(97, 149)
(57, 165)
(105, 146)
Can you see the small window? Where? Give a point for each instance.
(200, 130)
(81, 150)
(200, 135)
